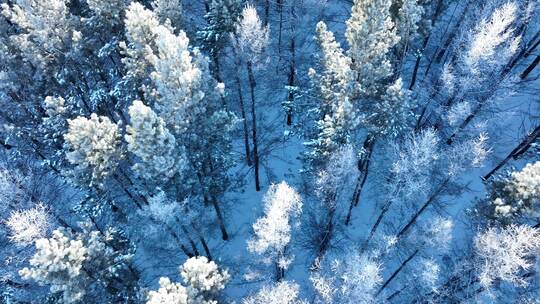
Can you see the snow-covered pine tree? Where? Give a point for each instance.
(93, 148)
(83, 265)
(182, 92)
(159, 159)
(337, 87)
(221, 19)
(204, 283)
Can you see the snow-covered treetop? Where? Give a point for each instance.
(47, 28)
(338, 81)
(351, 279)
(58, 261)
(204, 275)
(526, 183)
(203, 278)
(149, 139)
(273, 230)
(280, 293)
(251, 36)
(371, 35)
(168, 293)
(26, 226)
(416, 153)
(108, 9)
(493, 40)
(503, 253)
(93, 146)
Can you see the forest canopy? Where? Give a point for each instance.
(269, 152)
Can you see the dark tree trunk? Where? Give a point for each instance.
(395, 273)
(252, 85)
(292, 71)
(221, 221)
(430, 200)
(519, 150)
(244, 121)
(363, 168)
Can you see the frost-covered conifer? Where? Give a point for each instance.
(393, 113)
(149, 139)
(514, 196)
(371, 35)
(75, 264)
(280, 293)
(47, 29)
(204, 276)
(221, 19)
(410, 16)
(168, 10)
(92, 147)
(204, 281)
(140, 24)
(168, 293)
(503, 253)
(337, 85)
(273, 231)
(107, 9)
(525, 184)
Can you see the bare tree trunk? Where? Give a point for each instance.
(280, 10)
(280, 271)
(266, 11)
(190, 240)
(252, 85)
(376, 225)
(326, 237)
(530, 68)
(221, 222)
(430, 200)
(244, 121)
(292, 71)
(417, 65)
(395, 273)
(205, 246)
(519, 150)
(363, 167)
